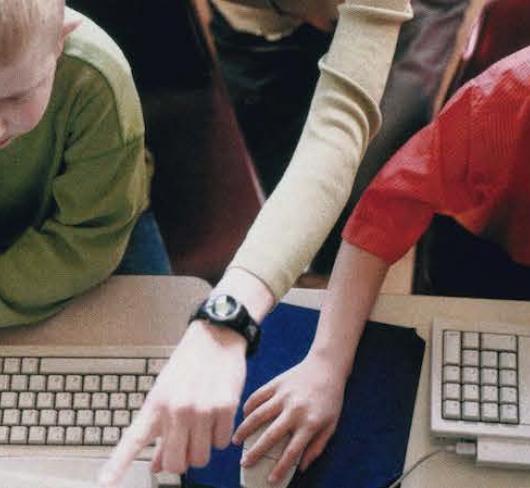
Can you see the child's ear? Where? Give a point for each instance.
(68, 27)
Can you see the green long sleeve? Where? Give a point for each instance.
(72, 189)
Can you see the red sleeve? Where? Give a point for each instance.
(450, 167)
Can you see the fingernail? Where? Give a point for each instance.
(235, 440)
(244, 460)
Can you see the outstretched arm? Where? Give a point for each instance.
(289, 230)
(311, 420)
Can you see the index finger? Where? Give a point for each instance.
(140, 434)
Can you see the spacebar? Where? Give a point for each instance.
(92, 366)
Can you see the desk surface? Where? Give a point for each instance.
(154, 310)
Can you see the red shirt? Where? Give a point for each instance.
(471, 163)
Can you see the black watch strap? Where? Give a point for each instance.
(226, 311)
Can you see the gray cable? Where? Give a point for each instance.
(420, 461)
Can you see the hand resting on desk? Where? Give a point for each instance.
(306, 402)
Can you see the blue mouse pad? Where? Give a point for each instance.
(369, 446)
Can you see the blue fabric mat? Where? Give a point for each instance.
(369, 446)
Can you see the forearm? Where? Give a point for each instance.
(249, 290)
(353, 288)
(343, 117)
(44, 269)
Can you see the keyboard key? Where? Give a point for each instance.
(154, 366)
(451, 409)
(30, 417)
(37, 435)
(118, 401)
(11, 417)
(470, 340)
(121, 418)
(81, 400)
(91, 383)
(18, 435)
(100, 401)
(499, 342)
(509, 414)
(26, 400)
(145, 383)
(11, 365)
(4, 434)
(136, 400)
(489, 394)
(48, 417)
(470, 357)
(507, 360)
(488, 359)
(4, 382)
(85, 417)
(451, 350)
(66, 417)
(55, 436)
(45, 400)
(488, 376)
(74, 382)
(508, 377)
(111, 435)
(63, 400)
(471, 411)
(74, 436)
(470, 375)
(30, 365)
(103, 418)
(490, 412)
(37, 382)
(508, 395)
(451, 391)
(110, 383)
(92, 366)
(55, 382)
(470, 393)
(8, 399)
(92, 436)
(128, 383)
(19, 382)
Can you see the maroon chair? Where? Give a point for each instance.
(205, 191)
(502, 29)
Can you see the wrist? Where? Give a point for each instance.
(338, 363)
(222, 336)
(247, 289)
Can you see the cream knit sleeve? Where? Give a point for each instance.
(343, 117)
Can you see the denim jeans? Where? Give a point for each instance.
(145, 253)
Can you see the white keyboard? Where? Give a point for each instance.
(480, 380)
(72, 399)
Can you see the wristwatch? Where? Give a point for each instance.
(226, 311)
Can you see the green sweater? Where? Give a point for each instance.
(71, 190)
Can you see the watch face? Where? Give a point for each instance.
(223, 307)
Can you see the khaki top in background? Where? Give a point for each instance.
(72, 188)
(343, 117)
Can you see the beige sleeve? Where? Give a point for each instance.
(343, 117)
